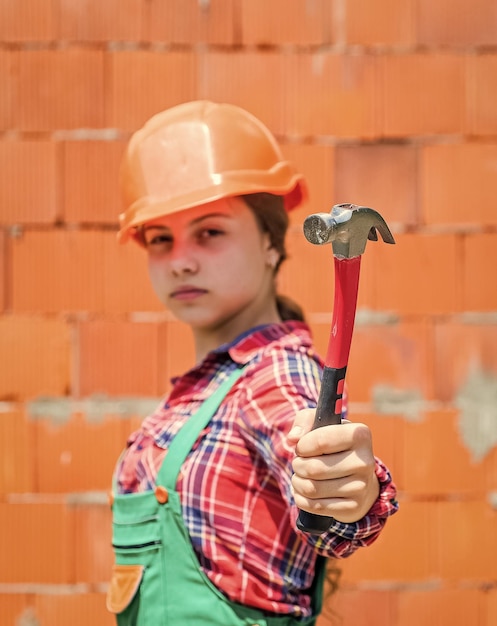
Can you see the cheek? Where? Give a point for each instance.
(157, 276)
(241, 273)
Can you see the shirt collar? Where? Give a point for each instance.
(287, 334)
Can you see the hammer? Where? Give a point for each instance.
(347, 227)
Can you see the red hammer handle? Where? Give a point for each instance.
(329, 408)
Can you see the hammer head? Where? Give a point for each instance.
(347, 227)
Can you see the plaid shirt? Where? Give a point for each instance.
(235, 484)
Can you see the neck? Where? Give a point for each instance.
(208, 339)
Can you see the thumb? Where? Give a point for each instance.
(302, 424)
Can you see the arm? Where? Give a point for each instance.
(359, 495)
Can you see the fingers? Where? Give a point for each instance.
(347, 499)
(332, 439)
(334, 471)
(302, 424)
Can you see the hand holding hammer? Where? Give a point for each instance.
(336, 469)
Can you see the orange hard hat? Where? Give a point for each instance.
(198, 152)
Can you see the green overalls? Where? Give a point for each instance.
(157, 580)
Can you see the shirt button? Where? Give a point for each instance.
(161, 494)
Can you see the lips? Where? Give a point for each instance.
(187, 292)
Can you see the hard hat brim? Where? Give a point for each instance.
(282, 180)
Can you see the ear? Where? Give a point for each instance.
(272, 258)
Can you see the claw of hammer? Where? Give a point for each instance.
(347, 227)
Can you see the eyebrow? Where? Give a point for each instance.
(193, 222)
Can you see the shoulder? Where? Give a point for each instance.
(287, 339)
(284, 367)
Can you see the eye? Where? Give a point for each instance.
(157, 239)
(210, 233)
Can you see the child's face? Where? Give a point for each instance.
(210, 266)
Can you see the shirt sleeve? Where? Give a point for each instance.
(342, 540)
(284, 383)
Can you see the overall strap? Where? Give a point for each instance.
(186, 437)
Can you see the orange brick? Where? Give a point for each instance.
(463, 526)
(316, 162)
(331, 94)
(462, 351)
(16, 453)
(381, 177)
(388, 434)
(118, 358)
(77, 609)
(490, 607)
(14, 607)
(458, 184)
(231, 78)
(91, 175)
(130, 425)
(482, 88)
(94, 556)
(489, 463)
(145, 82)
(176, 352)
(190, 21)
(397, 356)
(426, 472)
(8, 87)
(422, 94)
(28, 182)
(302, 277)
(126, 283)
(359, 607)
(60, 89)
(27, 20)
(36, 543)
(417, 276)
(78, 453)
(69, 271)
(321, 332)
(406, 550)
(480, 255)
(284, 22)
(367, 297)
(92, 20)
(463, 27)
(35, 357)
(386, 22)
(3, 270)
(434, 607)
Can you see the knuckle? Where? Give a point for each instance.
(303, 487)
(362, 435)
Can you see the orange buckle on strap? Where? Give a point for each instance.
(161, 494)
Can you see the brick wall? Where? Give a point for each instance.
(390, 104)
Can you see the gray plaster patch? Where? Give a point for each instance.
(477, 404)
(95, 408)
(28, 618)
(492, 500)
(367, 317)
(407, 403)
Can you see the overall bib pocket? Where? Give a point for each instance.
(137, 581)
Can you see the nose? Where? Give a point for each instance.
(182, 260)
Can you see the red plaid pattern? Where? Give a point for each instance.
(235, 484)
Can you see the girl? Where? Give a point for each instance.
(207, 492)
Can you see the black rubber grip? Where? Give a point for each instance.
(328, 411)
